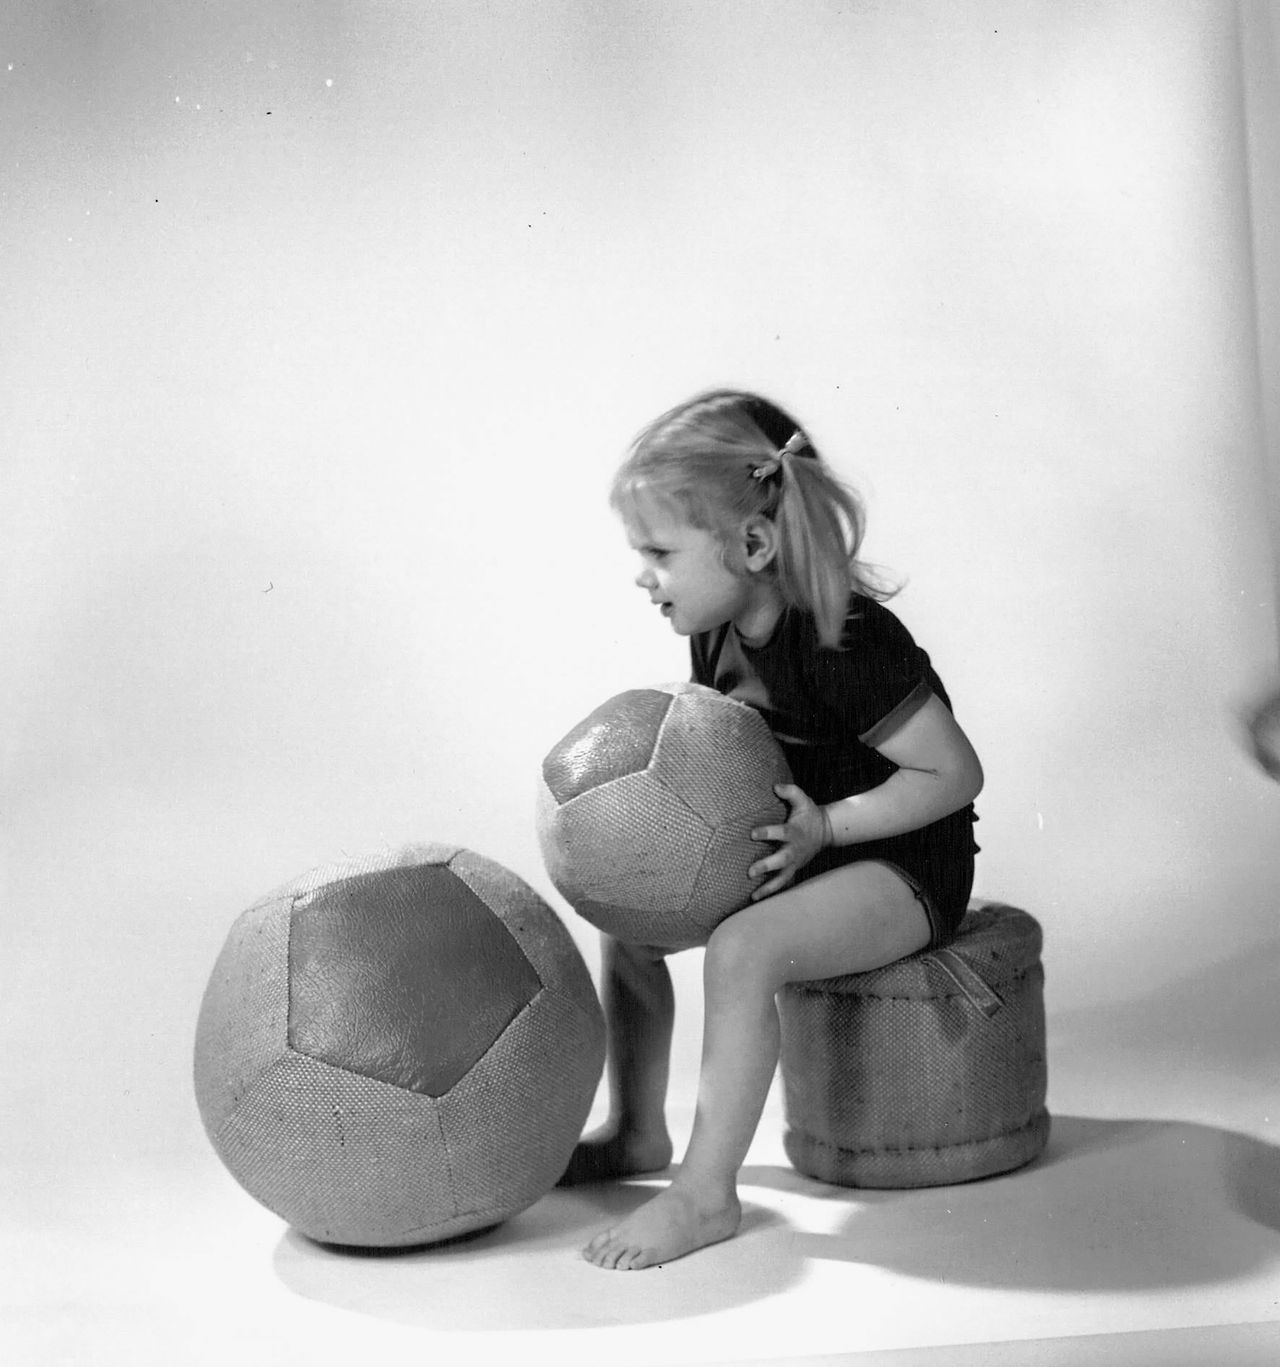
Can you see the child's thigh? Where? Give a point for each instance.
(855, 918)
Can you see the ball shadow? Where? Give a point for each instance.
(526, 1274)
(1111, 1207)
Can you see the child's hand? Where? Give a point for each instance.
(799, 838)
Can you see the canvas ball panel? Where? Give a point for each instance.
(659, 856)
(634, 834)
(348, 1157)
(315, 1144)
(720, 757)
(722, 881)
(244, 1017)
(524, 1127)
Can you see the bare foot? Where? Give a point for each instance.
(674, 1223)
(613, 1152)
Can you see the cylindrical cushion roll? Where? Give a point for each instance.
(926, 1072)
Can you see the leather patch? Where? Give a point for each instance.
(615, 740)
(403, 975)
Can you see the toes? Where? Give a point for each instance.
(615, 1255)
(629, 1259)
(603, 1251)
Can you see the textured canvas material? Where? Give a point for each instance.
(659, 855)
(352, 1159)
(517, 1095)
(341, 1157)
(244, 1018)
(403, 975)
(901, 1078)
(635, 845)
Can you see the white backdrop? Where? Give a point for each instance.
(325, 325)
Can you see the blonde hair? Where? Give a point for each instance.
(718, 459)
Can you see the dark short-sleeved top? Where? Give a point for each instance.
(829, 709)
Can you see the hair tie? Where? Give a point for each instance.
(766, 469)
(793, 445)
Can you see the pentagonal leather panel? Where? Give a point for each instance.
(403, 975)
(615, 740)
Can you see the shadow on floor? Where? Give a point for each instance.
(527, 1273)
(1112, 1206)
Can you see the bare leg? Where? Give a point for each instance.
(639, 1010)
(848, 921)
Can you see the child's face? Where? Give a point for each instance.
(683, 572)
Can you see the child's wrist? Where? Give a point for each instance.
(828, 835)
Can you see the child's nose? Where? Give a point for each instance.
(645, 579)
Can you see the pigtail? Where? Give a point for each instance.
(820, 523)
(814, 551)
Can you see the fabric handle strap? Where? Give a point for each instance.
(968, 980)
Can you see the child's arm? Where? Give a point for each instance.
(938, 773)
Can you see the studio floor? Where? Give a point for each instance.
(1149, 1232)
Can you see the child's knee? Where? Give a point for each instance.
(736, 957)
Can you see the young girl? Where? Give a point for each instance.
(749, 546)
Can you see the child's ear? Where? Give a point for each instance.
(759, 543)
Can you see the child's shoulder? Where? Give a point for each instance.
(877, 656)
(868, 621)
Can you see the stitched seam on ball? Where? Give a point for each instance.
(448, 1161)
(565, 999)
(623, 778)
(658, 783)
